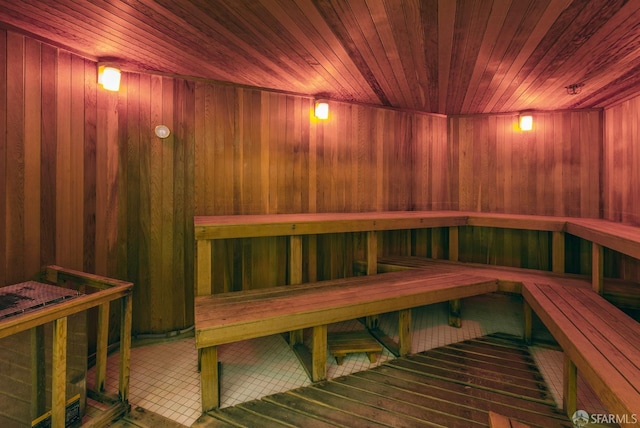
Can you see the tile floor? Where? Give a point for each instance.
(165, 380)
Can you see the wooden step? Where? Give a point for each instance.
(349, 342)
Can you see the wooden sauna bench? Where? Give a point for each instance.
(93, 291)
(598, 339)
(231, 317)
(620, 292)
(602, 233)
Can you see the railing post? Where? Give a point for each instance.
(125, 347)
(59, 375)
(101, 346)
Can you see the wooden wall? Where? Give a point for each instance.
(59, 162)
(86, 184)
(552, 170)
(621, 175)
(261, 152)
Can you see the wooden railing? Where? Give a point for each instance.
(97, 291)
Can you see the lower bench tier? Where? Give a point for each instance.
(233, 317)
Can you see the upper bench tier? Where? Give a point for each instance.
(617, 236)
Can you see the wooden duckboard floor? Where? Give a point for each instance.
(451, 386)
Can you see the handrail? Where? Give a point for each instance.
(108, 290)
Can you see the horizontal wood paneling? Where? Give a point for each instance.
(621, 175)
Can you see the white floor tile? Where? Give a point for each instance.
(165, 380)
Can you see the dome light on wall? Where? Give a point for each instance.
(162, 131)
(109, 77)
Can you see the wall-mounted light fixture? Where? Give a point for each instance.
(321, 110)
(525, 121)
(109, 77)
(162, 131)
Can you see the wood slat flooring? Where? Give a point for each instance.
(451, 386)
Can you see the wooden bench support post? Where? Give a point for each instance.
(203, 267)
(319, 353)
(454, 313)
(312, 257)
(372, 321)
(209, 378)
(528, 327)
(404, 332)
(570, 387)
(59, 375)
(408, 242)
(454, 305)
(295, 277)
(437, 245)
(557, 252)
(597, 266)
(453, 243)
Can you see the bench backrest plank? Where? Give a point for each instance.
(254, 226)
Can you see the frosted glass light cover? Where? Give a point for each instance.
(162, 131)
(322, 110)
(109, 77)
(526, 123)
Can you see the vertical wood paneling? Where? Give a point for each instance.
(519, 165)
(269, 155)
(48, 171)
(32, 161)
(63, 161)
(4, 142)
(88, 185)
(15, 164)
(76, 187)
(621, 179)
(548, 171)
(90, 170)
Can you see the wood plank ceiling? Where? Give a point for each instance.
(439, 56)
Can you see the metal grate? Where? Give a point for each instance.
(20, 298)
